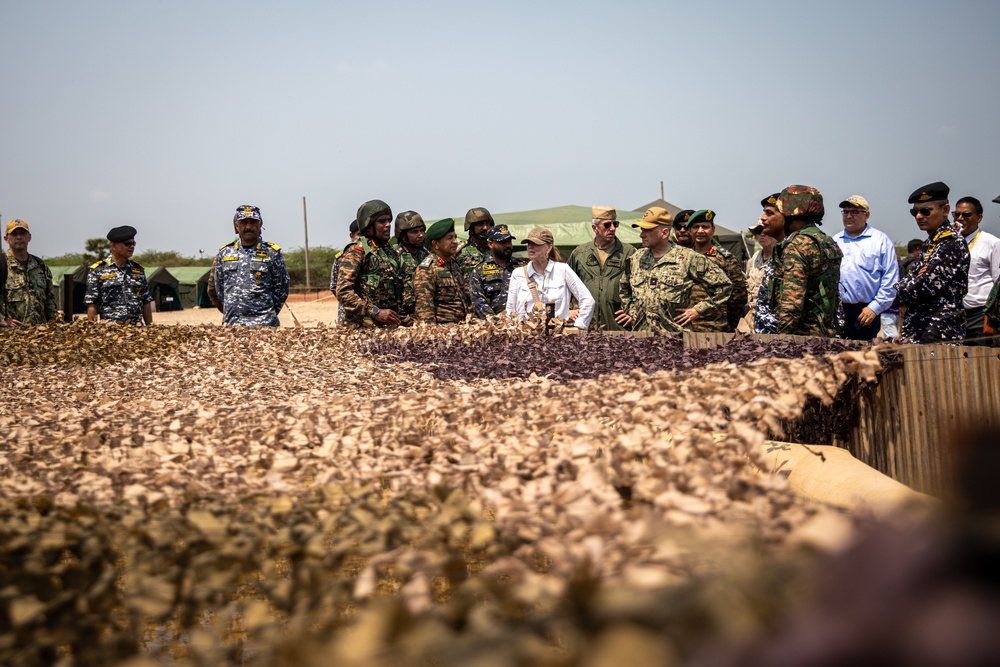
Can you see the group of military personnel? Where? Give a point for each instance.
(680, 280)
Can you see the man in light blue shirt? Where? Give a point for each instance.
(869, 271)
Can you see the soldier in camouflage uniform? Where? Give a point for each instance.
(370, 282)
(27, 296)
(410, 231)
(937, 282)
(656, 287)
(772, 232)
(805, 289)
(701, 226)
(116, 287)
(490, 280)
(251, 279)
(335, 269)
(600, 264)
(441, 294)
(474, 252)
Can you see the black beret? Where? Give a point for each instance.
(936, 191)
(354, 225)
(123, 233)
(770, 200)
(683, 216)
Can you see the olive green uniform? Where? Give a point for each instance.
(603, 281)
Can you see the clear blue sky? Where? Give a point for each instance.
(167, 115)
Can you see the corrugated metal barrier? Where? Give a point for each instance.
(907, 424)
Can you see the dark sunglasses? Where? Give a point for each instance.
(964, 214)
(128, 244)
(922, 211)
(607, 224)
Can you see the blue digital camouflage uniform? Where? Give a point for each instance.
(933, 290)
(488, 287)
(27, 295)
(764, 319)
(118, 292)
(252, 283)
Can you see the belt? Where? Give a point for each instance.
(969, 312)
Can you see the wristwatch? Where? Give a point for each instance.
(375, 311)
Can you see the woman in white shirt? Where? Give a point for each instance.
(554, 282)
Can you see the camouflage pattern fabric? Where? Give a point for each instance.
(488, 287)
(653, 291)
(334, 272)
(440, 290)
(992, 312)
(370, 275)
(713, 319)
(468, 258)
(733, 311)
(213, 294)
(604, 282)
(805, 288)
(933, 290)
(28, 296)
(119, 292)
(252, 283)
(410, 258)
(764, 319)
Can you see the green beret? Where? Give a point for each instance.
(437, 231)
(704, 215)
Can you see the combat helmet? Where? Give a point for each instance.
(368, 211)
(406, 221)
(475, 215)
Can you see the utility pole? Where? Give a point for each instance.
(305, 226)
(661, 192)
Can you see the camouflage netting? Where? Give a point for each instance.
(320, 496)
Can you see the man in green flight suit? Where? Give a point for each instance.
(657, 283)
(600, 264)
(370, 279)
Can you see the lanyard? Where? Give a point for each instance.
(975, 238)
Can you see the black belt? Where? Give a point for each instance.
(969, 312)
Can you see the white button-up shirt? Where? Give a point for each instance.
(984, 267)
(557, 283)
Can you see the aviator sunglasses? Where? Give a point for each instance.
(922, 211)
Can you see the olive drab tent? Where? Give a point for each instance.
(570, 227)
(192, 285)
(163, 288)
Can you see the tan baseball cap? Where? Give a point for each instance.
(655, 217)
(538, 236)
(16, 223)
(855, 201)
(603, 213)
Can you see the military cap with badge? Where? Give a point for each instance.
(654, 217)
(499, 233)
(704, 215)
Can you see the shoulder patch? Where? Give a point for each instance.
(427, 260)
(222, 247)
(97, 264)
(272, 246)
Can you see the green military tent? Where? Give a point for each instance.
(192, 285)
(163, 288)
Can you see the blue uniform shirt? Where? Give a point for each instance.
(252, 283)
(869, 270)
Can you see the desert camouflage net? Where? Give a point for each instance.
(282, 497)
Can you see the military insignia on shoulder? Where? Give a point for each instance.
(136, 264)
(97, 264)
(427, 260)
(224, 246)
(276, 248)
(725, 253)
(339, 255)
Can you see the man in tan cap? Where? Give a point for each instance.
(869, 271)
(600, 264)
(656, 287)
(27, 296)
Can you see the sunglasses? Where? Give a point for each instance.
(964, 214)
(128, 244)
(852, 211)
(921, 211)
(608, 224)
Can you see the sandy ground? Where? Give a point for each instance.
(308, 313)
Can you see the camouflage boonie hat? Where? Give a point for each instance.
(499, 233)
(801, 201)
(406, 221)
(246, 212)
(369, 210)
(477, 215)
